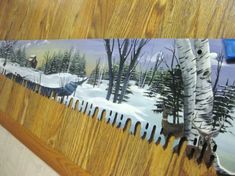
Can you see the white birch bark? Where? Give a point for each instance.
(188, 65)
(204, 93)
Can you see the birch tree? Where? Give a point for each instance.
(198, 94)
(188, 68)
(204, 93)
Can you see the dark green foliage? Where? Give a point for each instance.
(7, 50)
(223, 109)
(156, 86)
(20, 57)
(169, 85)
(78, 65)
(64, 62)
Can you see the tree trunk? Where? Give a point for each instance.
(110, 87)
(188, 66)
(152, 77)
(109, 51)
(157, 63)
(124, 87)
(204, 93)
(118, 82)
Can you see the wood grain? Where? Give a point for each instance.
(54, 159)
(92, 144)
(60, 19)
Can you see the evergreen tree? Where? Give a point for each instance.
(66, 61)
(54, 65)
(20, 57)
(223, 107)
(171, 91)
(156, 86)
(78, 65)
(7, 50)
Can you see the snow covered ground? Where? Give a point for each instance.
(138, 105)
(135, 108)
(52, 81)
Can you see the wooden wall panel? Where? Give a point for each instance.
(95, 145)
(65, 19)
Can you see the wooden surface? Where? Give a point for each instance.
(53, 158)
(63, 19)
(96, 146)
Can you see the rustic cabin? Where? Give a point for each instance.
(32, 61)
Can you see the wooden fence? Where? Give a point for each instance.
(97, 140)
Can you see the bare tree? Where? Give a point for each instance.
(145, 74)
(71, 52)
(94, 77)
(135, 54)
(158, 61)
(143, 69)
(220, 60)
(109, 46)
(124, 49)
(47, 56)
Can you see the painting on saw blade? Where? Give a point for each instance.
(183, 86)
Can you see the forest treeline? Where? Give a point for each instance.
(68, 61)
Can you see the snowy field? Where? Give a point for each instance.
(138, 107)
(51, 81)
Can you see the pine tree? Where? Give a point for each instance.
(156, 86)
(171, 91)
(78, 65)
(7, 50)
(20, 57)
(54, 65)
(66, 61)
(223, 107)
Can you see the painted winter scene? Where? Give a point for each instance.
(183, 86)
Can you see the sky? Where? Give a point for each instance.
(94, 49)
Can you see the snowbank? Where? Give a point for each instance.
(51, 81)
(124, 108)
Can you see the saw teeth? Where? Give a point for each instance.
(143, 130)
(110, 116)
(146, 130)
(90, 110)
